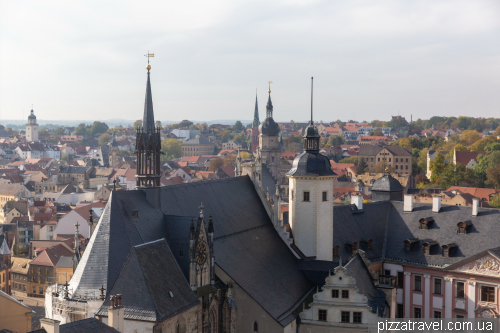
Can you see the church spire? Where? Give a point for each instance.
(269, 106)
(311, 136)
(256, 121)
(148, 120)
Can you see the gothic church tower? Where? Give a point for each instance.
(255, 129)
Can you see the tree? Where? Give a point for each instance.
(123, 153)
(334, 141)
(495, 201)
(493, 177)
(229, 160)
(43, 132)
(103, 139)
(2, 127)
(171, 148)
(193, 127)
(377, 132)
(422, 179)
(437, 167)
(59, 131)
(351, 159)
(245, 156)
(215, 164)
(98, 127)
(238, 126)
(81, 129)
(491, 147)
(64, 158)
(397, 123)
(382, 167)
(185, 123)
(361, 167)
(469, 137)
(138, 123)
(158, 124)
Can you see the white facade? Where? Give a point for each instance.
(312, 221)
(66, 225)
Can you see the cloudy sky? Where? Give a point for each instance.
(85, 59)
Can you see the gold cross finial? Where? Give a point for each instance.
(269, 91)
(149, 55)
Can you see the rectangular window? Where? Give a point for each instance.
(322, 315)
(346, 317)
(356, 317)
(345, 293)
(418, 284)
(335, 293)
(406, 167)
(34, 290)
(460, 290)
(379, 159)
(460, 317)
(325, 195)
(306, 196)
(40, 290)
(400, 311)
(396, 159)
(437, 314)
(417, 313)
(406, 160)
(437, 286)
(487, 294)
(401, 277)
(396, 166)
(389, 159)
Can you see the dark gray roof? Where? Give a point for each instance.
(311, 164)
(244, 239)
(269, 127)
(268, 181)
(317, 270)
(371, 150)
(388, 227)
(387, 183)
(85, 326)
(198, 141)
(73, 169)
(150, 298)
(364, 282)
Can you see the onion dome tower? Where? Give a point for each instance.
(148, 144)
(311, 197)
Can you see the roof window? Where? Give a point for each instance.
(426, 223)
(464, 227)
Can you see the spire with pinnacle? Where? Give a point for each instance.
(256, 121)
(148, 120)
(269, 106)
(311, 135)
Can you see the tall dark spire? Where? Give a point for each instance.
(256, 121)
(148, 120)
(148, 143)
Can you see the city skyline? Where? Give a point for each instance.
(370, 61)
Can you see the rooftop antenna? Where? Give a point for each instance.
(312, 83)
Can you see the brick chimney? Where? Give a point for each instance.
(116, 313)
(50, 325)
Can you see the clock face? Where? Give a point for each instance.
(201, 253)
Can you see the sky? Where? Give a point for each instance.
(370, 59)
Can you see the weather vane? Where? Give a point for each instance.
(269, 91)
(149, 55)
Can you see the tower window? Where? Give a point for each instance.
(325, 195)
(345, 293)
(306, 196)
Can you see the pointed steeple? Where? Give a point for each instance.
(311, 135)
(256, 121)
(269, 106)
(148, 120)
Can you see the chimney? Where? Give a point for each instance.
(50, 325)
(436, 204)
(116, 313)
(408, 203)
(357, 200)
(475, 206)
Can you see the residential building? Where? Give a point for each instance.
(483, 194)
(198, 147)
(5, 265)
(185, 134)
(73, 174)
(13, 192)
(231, 144)
(390, 156)
(14, 315)
(19, 274)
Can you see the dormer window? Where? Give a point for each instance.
(354, 247)
(426, 248)
(407, 246)
(448, 250)
(336, 251)
(135, 214)
(429, 247)
(463, 227)
(369, 245)
(426, 223)
(410, 244)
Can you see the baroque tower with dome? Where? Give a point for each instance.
(31, 128)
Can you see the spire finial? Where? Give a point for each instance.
(269, 91)
(201, 209)
(312, 82)
(149, 55)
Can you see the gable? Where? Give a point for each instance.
(487, 265)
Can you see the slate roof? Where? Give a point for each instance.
(364, 282)
(150, 298)
(369, 150)
(73, 169)
(311, 164)
(197, 141)
(268, 181)
(387, 183)
(83, 326)
(244, 239)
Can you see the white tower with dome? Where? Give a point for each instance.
(31, 128)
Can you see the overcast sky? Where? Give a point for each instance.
(85, 59)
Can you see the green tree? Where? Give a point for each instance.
(81, 129)
(245, 156)
(422, 160)
(469, 137)
(351, 159)
(98, 127)
(193, 127)
(59, 131)
(481, 144)
(158, 124)
(495, 201)
(491, 147)
(437, 167)
(238, 126)
(171, 148)
(103, 139)
(123, 153)
(138, 123)
(43, 132)
(361, 166)
(185, 123)
(334, 141)
(377, 132)
(64, 158)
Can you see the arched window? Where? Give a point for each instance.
(255, 327)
